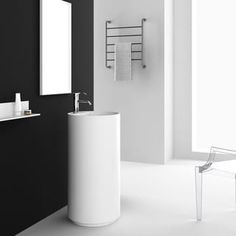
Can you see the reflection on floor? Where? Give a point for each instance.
(158, 200)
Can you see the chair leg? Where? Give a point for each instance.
(198, 189)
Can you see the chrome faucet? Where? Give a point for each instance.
(77, 101)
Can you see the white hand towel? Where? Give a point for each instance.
(122, 63)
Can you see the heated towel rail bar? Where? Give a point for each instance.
(109, 36)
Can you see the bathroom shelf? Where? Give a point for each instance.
(19, 117)
(7, 111)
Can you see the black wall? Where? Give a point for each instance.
(33, 152)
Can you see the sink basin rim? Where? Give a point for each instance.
(93, 113)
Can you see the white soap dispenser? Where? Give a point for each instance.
(18, 108)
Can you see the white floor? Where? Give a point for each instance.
(158, 200)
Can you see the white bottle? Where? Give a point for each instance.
(18, 108)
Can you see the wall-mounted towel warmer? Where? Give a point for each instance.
(110, 36)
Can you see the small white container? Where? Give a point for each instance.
(18, 107)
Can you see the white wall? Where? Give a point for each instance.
(183, 40)
(169, 83)
(141, 101)
(182, 78)
(183, 82)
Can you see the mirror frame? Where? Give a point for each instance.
(56, 63)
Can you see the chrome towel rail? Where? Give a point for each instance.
(109, 36)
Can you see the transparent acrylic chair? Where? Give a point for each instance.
(223, 168)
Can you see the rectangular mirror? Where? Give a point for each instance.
(55, 47)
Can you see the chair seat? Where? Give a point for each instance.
(227, 166)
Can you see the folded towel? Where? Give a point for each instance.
(122, 63)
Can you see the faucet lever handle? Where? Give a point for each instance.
(78, 93)
(83, 93)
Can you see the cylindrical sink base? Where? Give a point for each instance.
(94, 169)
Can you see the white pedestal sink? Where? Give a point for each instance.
(94, 168)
